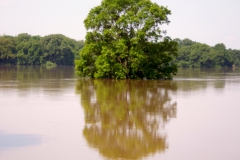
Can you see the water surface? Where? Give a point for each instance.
(52, 114)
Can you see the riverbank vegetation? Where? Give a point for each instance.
(25, 49)
(193, 54)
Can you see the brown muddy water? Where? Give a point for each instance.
(51, 114)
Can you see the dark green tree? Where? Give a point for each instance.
(7, 50)
(235, 56)
(221, 57)
(29, 50)
(124, 40)
(58, 49)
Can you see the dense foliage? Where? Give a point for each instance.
(198, 55)
(25, 49)
(124, 40)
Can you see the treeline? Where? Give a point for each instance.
(25, 49)
(197, 55)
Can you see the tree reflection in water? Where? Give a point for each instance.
(125, 118)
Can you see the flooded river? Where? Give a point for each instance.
(50, 114)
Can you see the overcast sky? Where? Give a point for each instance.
(205, 21)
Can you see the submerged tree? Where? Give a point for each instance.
(124, 40)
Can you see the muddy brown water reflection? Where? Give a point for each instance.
(52, 114)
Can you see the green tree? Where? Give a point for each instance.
(58, 49)
(183, 56)
(7, 50)
(221, 57)
(199, 56)
(29, 50)
(235, 56)
(124, 40)
(78, 46)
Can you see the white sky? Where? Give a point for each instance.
(205, 21)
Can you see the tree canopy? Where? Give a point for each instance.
(25, 49)
(7, 50)
(124, 40)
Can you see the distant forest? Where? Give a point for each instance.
(197, 55)
(25, 49)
